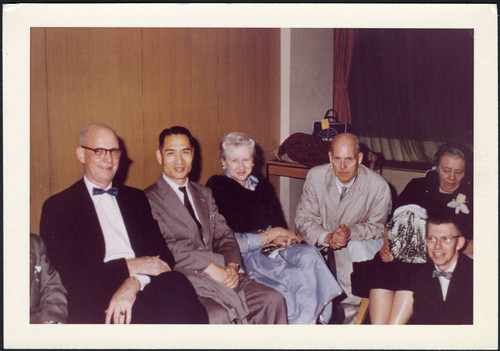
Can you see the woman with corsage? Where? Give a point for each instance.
(272, 254)
(445, 190)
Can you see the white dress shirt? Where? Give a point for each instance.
(445, 283)
(180, 194)
(116, 238)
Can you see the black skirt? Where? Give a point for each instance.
(376, 274)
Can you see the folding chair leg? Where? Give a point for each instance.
(363, 311)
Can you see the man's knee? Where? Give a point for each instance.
(174, 281)
(266, 305)
(276, 306)
(174, 276)
(216, 313)
(276, 299)
(169, 298)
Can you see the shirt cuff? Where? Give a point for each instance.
(321, 240)
(143, 279)
(248, 241)
(254, 241)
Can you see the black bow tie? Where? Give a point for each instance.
(436, 273)
(111, 191)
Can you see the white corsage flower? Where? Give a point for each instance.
(37, 271)
(459, 204)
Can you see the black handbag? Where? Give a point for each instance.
(333, 126)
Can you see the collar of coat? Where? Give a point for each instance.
(356, 185)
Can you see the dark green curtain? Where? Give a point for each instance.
(414, 85)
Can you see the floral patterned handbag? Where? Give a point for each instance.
(406, 234)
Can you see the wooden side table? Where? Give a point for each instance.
(286, 169)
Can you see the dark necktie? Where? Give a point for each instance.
(187, 203)
(110, 191)
(437, 273)
(344, 190)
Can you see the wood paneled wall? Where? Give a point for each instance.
(140, 81)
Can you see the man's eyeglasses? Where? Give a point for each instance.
(444, 240)
(101, 152)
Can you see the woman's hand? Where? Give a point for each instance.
(385, 253)
(273, 233)
(285, 237)
(283, 241)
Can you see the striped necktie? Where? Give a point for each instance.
(344, 190)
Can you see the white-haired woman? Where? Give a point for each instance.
(272, 254)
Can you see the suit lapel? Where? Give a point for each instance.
(332, 197)
(91, 231)
(128, 211)
(200, 202)
(437, 293)
(454, 293)
(172, 204)
(435, 302)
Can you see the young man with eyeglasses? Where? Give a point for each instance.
(443, 288)
(108, 249)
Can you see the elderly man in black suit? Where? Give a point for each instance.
(108, 248)
(443, 288)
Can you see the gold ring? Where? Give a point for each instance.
(122, 313)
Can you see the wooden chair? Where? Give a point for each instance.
(363, 311)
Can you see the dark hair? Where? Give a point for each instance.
(441, 218)
(455, 149)
(175, 130)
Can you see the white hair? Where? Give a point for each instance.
(236, 139)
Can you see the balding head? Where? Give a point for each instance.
(345, 157)
(85, 132)
(341, 139)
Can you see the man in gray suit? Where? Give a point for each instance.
(48, 301)
(204, 247)
(344, 207)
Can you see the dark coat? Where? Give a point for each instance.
(261, 206)
(429, 307)
(75, 243)
(48, 300)
(425, 193)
